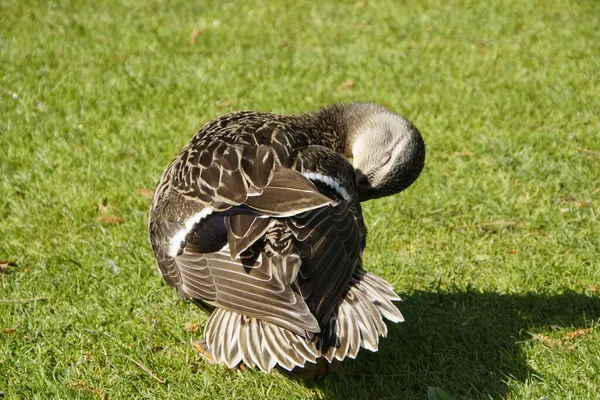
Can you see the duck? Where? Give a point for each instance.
(258, 221)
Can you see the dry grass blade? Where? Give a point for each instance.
(588, 151)
(494, 224)
(32, 299)
(548, 342)
(147, 193)
(144, 368)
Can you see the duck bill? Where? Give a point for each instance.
(367, 192)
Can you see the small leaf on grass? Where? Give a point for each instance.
(223, 104)
(105, 216)
(435, 393)
(82, 386)
(578, 333)
(147, 193)
(194, 36)
(9, 330)
(347, 84)
(193, 327)
(102, 208)
(129, 153)
(110, 219)
(5, 264)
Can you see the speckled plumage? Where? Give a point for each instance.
(259, 217)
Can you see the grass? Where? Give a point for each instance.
(494, 249)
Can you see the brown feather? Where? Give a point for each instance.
(243, 231)
(258, 165)
(287, 194)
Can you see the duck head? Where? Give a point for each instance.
(388, 151)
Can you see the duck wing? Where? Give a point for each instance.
(330, 239)
(196, 258)
(232, 158)
(208, 224)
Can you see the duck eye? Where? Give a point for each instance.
(384, 160)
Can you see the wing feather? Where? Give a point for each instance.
(221, 282)
(329, 264)
(287, 194)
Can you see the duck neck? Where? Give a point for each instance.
(340, 125)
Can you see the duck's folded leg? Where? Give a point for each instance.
(202, 349)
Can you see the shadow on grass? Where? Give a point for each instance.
(468, 343)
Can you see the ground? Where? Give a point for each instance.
(494, 249)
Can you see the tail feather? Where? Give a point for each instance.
(210, 331)
(258, 351)
(369, 339)
(360, 315)
(306, 349)
(219, 350)
(357, 322)
(275, 342)
(253, 342)
(344, 341)
(231, 355)
(382, 295)
(292, 349)
(371, 310)
(233, 338)
(226, 351)
(352, 334)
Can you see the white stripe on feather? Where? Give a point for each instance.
(179, 236)
(331, 182)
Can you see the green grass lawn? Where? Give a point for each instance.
(494, 249)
